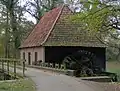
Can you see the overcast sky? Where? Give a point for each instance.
(27, 15)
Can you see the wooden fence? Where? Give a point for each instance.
(6, 64)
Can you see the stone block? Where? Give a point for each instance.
(46, 64)
(51, 65)
(70, 72)
(62, 67)
(57, 66)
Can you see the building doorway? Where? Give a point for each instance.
(36, 57)
(24, 55)
(29, 58)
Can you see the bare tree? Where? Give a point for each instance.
(37, 8)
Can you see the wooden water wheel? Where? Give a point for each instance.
(84, 62)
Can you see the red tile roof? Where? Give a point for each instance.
(66, 33)
(55, 29)
(41, 31)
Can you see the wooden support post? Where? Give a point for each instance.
(15, 69)
(3, 68)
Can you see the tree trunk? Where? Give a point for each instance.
(14, 29)
(38, 13)
(6, 37)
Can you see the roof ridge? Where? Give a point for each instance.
(53, 25)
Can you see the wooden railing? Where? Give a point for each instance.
(6, 64)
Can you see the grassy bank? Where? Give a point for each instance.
(19, 85)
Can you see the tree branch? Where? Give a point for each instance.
(31, 14)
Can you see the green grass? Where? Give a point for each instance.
(19, 85)
(114, 67)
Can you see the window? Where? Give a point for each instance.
(29, 58)
(36, 56)
(23, 55)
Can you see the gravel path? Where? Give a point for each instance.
(48, 81)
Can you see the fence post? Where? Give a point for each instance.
(3, 68)
(2, 65)
(14, 69)
(8, 66)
